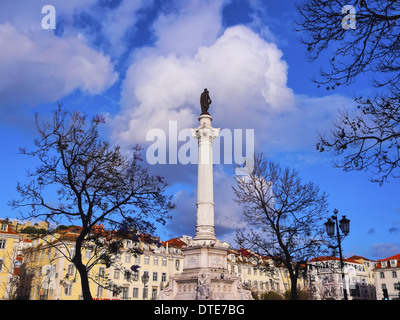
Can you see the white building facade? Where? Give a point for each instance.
(387, 278)
(326, 283)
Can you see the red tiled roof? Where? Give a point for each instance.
(395, 257)
(175, 242)
(326, 258)
(359, 258)
(9, 229)
(245, 252)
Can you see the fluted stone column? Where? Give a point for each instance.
(205, 134)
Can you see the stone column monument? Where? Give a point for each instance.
(205, 273)
(205, 134)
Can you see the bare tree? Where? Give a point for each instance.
(283, 214)
(82, 178)
(367, 139)
(362, 39)
(372, 43)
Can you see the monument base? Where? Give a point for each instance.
(205, 275)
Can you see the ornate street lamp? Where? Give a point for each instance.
(344, 225)
(145, 279)
(397, 287)
(330, 227)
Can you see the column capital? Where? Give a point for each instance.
(205, 130)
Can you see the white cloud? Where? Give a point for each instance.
(27, 15)
(195, 23)
(245, 75)
(298, 129)
(40, 67)
(384, 250)
(117, 22)
(228, 215)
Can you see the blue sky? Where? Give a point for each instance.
(144, 63)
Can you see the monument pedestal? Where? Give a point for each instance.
(205, 273)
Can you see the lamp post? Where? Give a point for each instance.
(145, 279)
(344, 225)
(397, 287)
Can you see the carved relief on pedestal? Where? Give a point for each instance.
(203, 287)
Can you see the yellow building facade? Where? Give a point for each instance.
(56, 278)
(130, 276)
(9, 244)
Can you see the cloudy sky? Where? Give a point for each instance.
(144, 63)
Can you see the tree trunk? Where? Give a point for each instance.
(293, 288)
(77, 260)
(84, 281)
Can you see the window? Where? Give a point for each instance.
(155, 261)
(88, 253)
(72, 252)
(135, 276)
(164, 262)
(155, 276)
(1, 264)
(70, 270)
(99, 293)
(3, 227)
(68, 289)
(154, 294)
(164, 277)
(382, 275)
(135, 293)
(115, 292)
(102, 272)
(394, 274)
(125, 293)
(127, 257)
(116, 274)
(3, 243)
(146, 260)
(177, 264)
